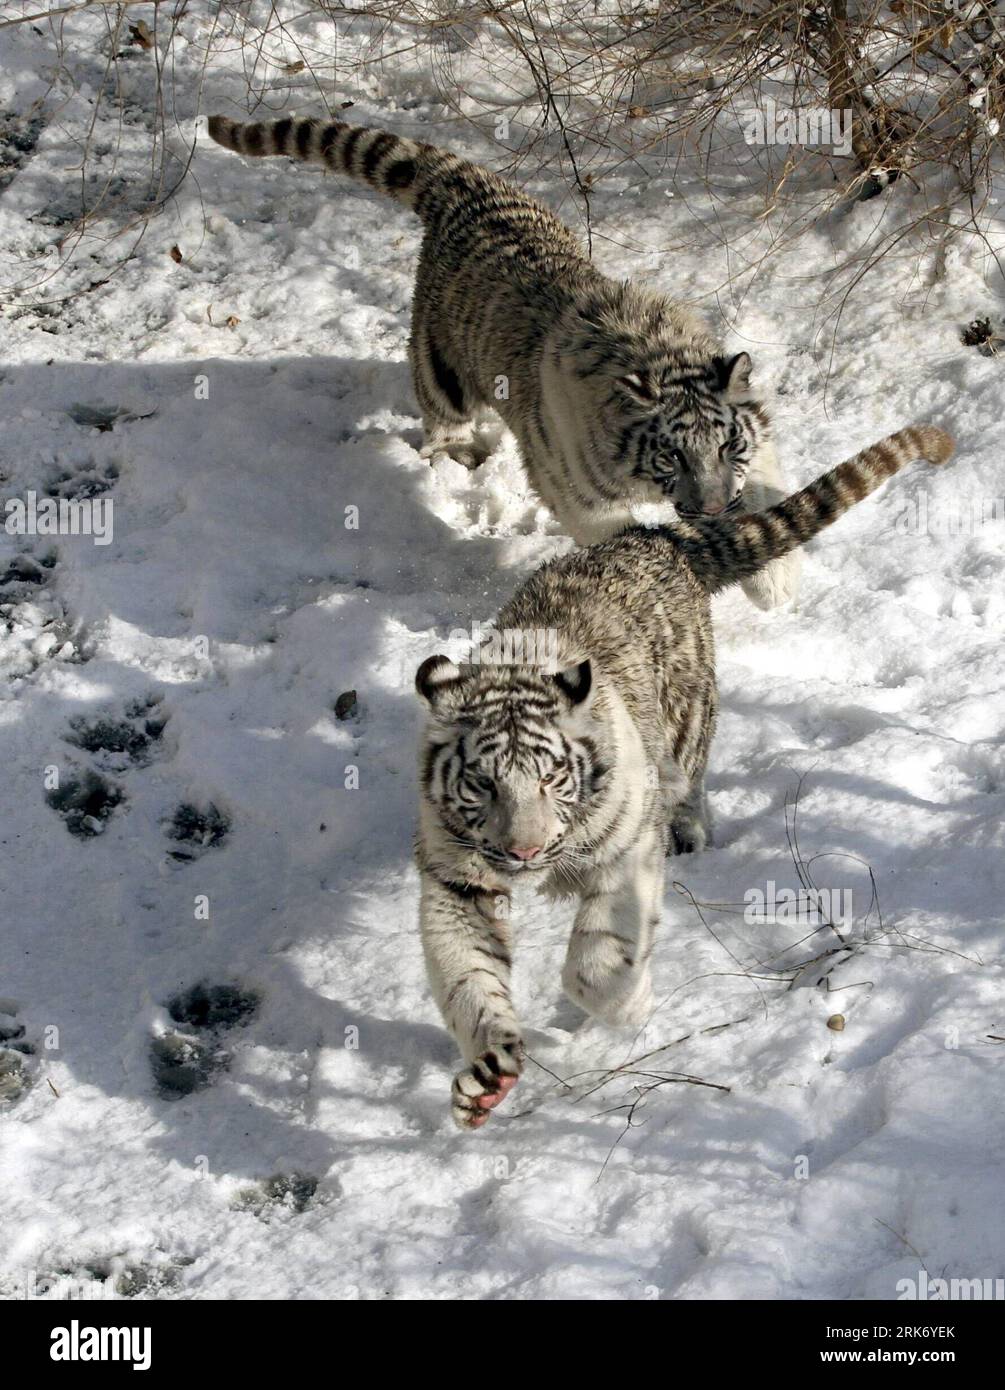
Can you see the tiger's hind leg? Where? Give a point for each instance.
(449, 414)
(690, 822)
(606, 969)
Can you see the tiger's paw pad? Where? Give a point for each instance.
(479, 1088)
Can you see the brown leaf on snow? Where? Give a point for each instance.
(345, 705)
(140, 33)
(231, 321)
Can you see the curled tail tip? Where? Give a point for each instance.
(928, 442)
(939, 446)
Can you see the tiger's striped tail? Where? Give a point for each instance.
(722, 551)
(386, 162)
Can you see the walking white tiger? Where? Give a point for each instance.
(582, 774)
(615, 396)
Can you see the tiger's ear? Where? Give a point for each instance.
(434, 677)
(576, 682)
(734, 374)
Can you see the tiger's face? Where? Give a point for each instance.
(511, 765)
(684, 433)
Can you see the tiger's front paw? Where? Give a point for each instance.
(467, 448)
(479, 1088)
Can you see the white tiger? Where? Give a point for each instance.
(583, 775)
(616, 396)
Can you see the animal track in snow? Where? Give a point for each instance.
(185, 1059)
(213, 1006)
(85, 800)
(27, 570)
(104, 418)
(33, 622)
(18, 138)
(15, 1072)
(196, 829)
(101, 1277)
(78, 484)
(119, 742)
(291, 1192)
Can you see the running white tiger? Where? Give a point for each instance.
(583, 774)
(616, 396)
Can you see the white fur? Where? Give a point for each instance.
(778, 581)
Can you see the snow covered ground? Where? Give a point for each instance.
(283, 1131)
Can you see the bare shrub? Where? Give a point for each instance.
(805, 109)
